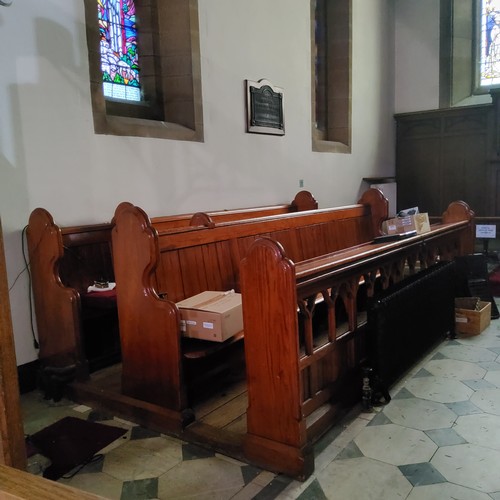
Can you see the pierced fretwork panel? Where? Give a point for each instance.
(331, 351)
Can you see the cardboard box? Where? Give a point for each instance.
(399, 225)
(472, 315)
(209, 315)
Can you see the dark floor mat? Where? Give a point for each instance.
(71, 442)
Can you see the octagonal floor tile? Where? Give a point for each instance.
(481, 429)
(419, 414)
(143, 458)
(469, 465)
(487, 400)
(470, 353)
(452, 368)
(215, 477)
(446, 491)
(493, 377)
(487, 339)
(395, 445)
(439, 389)
(364, 478)
(98, 483)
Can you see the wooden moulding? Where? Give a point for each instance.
(12, 446)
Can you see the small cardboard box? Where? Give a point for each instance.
(472, 315)
(211, 315)
(399, 225)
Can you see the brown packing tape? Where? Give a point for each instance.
(210, 301)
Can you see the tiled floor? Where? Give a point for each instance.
(438, 439)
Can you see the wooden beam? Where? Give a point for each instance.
(12, 446)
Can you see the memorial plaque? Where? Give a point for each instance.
(264, 108)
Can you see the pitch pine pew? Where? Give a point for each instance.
(298, 375)
(64, 261)
(154, 270)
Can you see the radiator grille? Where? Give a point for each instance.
(405, 321)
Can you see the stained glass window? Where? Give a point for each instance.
(118, 46)
(490, 43)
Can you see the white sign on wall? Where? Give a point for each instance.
(486, 231)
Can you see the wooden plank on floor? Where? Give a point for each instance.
(238, 426)
(228, 413)
(220, 399)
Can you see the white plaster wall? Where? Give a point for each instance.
(416, 55)
(50, 156)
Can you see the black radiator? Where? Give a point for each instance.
(409, 318)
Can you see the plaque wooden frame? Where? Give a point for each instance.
(264, 108)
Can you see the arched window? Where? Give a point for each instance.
(144, 62)
(118, 48)
(488, 60)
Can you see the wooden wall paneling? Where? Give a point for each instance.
(417, 174)
(226, 266)
(193, 273)
(313, 239)
(214, 273)
(443, 155)
(170, 283)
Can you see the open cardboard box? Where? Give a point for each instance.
(472, 315)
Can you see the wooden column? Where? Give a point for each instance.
(12, 446)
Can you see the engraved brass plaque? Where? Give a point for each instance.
(264, 108)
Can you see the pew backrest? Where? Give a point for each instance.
(154, 270)
(65, 261)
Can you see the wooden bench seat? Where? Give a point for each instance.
(300, 275)
(309, 372)
(305, 278)
(154, 270)
(65, 261)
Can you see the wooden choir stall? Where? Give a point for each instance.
(307, 279)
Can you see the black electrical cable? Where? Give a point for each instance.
(27, 269)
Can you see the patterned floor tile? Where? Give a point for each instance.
(471, 353)
(394, 444)
(139, 432)
(446, 491)
(487, 400)
(463, 408)
(481, 429)
(422, 373)
(313, 492)
(439, 389)
(445, 437)
(97, 483)
(452, 368)
(443, 424)
(350, 451)
(421, 474)
(475, 385)
(493, 377)
(142, 458)
(193, 452)
(273, 489)
(419, 414)
(490, 365)
(363, 478)
(140, 490)
(469, 465)
(215, 477)
(380, 419)
(403, 394)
